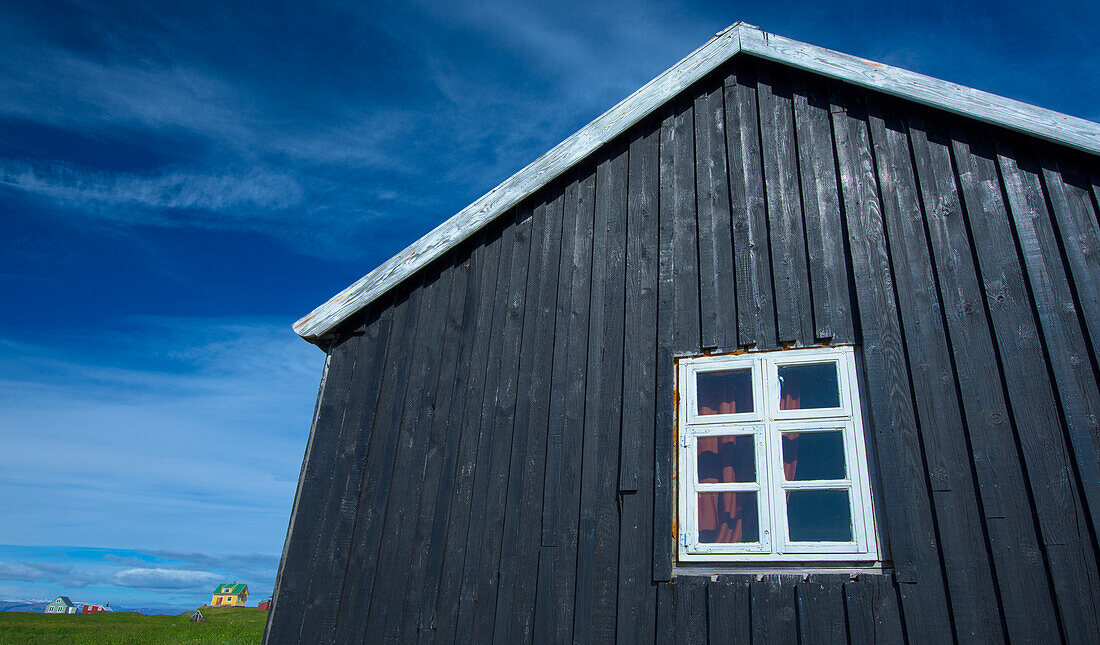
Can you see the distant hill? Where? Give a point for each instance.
(23, 605)
(40, 606)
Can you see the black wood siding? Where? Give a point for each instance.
(493, 451)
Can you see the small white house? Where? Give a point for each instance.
(62, 605)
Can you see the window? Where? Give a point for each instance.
(772, 461)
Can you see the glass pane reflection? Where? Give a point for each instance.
(819, 516)
(813, 455)
(803, 387)
(728, 518)
(726, 392)
(726, 459)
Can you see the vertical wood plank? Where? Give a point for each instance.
(481, 509)
(1018, 562)
(729, 620)
(895, 436)
(871, 606)
(509, 445)
(445, 612)
(974, 605)
(637, 596)
(521, 533)
(774, 616)
(374, 490)
(402, 505)
(752, 264)
(821, 610)
(787, 245)
(313, 484)
(822, 215)
(442, 446)
(1030, 392)
(597, 551)
(561, 515)
(716, 284)
(1078, 229)
(322, 604)
(1062, 336)
(690, 594)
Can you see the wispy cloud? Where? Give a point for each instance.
(136, 444)
(254, 189)
(165, 578)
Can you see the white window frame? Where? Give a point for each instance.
(767, 423)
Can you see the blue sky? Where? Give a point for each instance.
(179, 182)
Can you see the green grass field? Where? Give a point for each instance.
(225, 626)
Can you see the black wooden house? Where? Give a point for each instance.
(788, 346)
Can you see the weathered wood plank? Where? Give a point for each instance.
(821, 610)
(481, 510)
(974, 609)
(1073, 377)
(774, 616)
(374, 490)
(402, 505)
(641, 302)
(445, 610)
(716, 285)
(677, 317)
(521, 530)
(787, 241)
(728, 617)
(871, 605)
(1021, 578)
(822, 215)
(637, 596)
(752, 263)
(508, 451)
(895, 435)
(666, 613)
(443, 435)
(1079, 234)
(598, 537)
(690, 597)
(313, 484)
(567, 403)
(1030, 392)
(323, 602)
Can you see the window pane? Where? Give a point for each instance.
(726, 459)
(808, 386)
(728, 518)
(813, 455)
(725, 392)
(819, 516)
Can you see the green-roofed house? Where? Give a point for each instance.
(62, 605)
(229, 595)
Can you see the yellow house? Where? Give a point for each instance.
(231, 595)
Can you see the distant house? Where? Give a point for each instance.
(265, 605)
(95, 609)
(62, 605)
(232, 595)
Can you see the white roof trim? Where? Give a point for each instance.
(1046, 124)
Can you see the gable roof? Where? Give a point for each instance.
(231, 589)
(735, 39)
(64, 600)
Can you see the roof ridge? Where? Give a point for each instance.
(727, 43)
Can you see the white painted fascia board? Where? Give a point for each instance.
(1047, 124)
